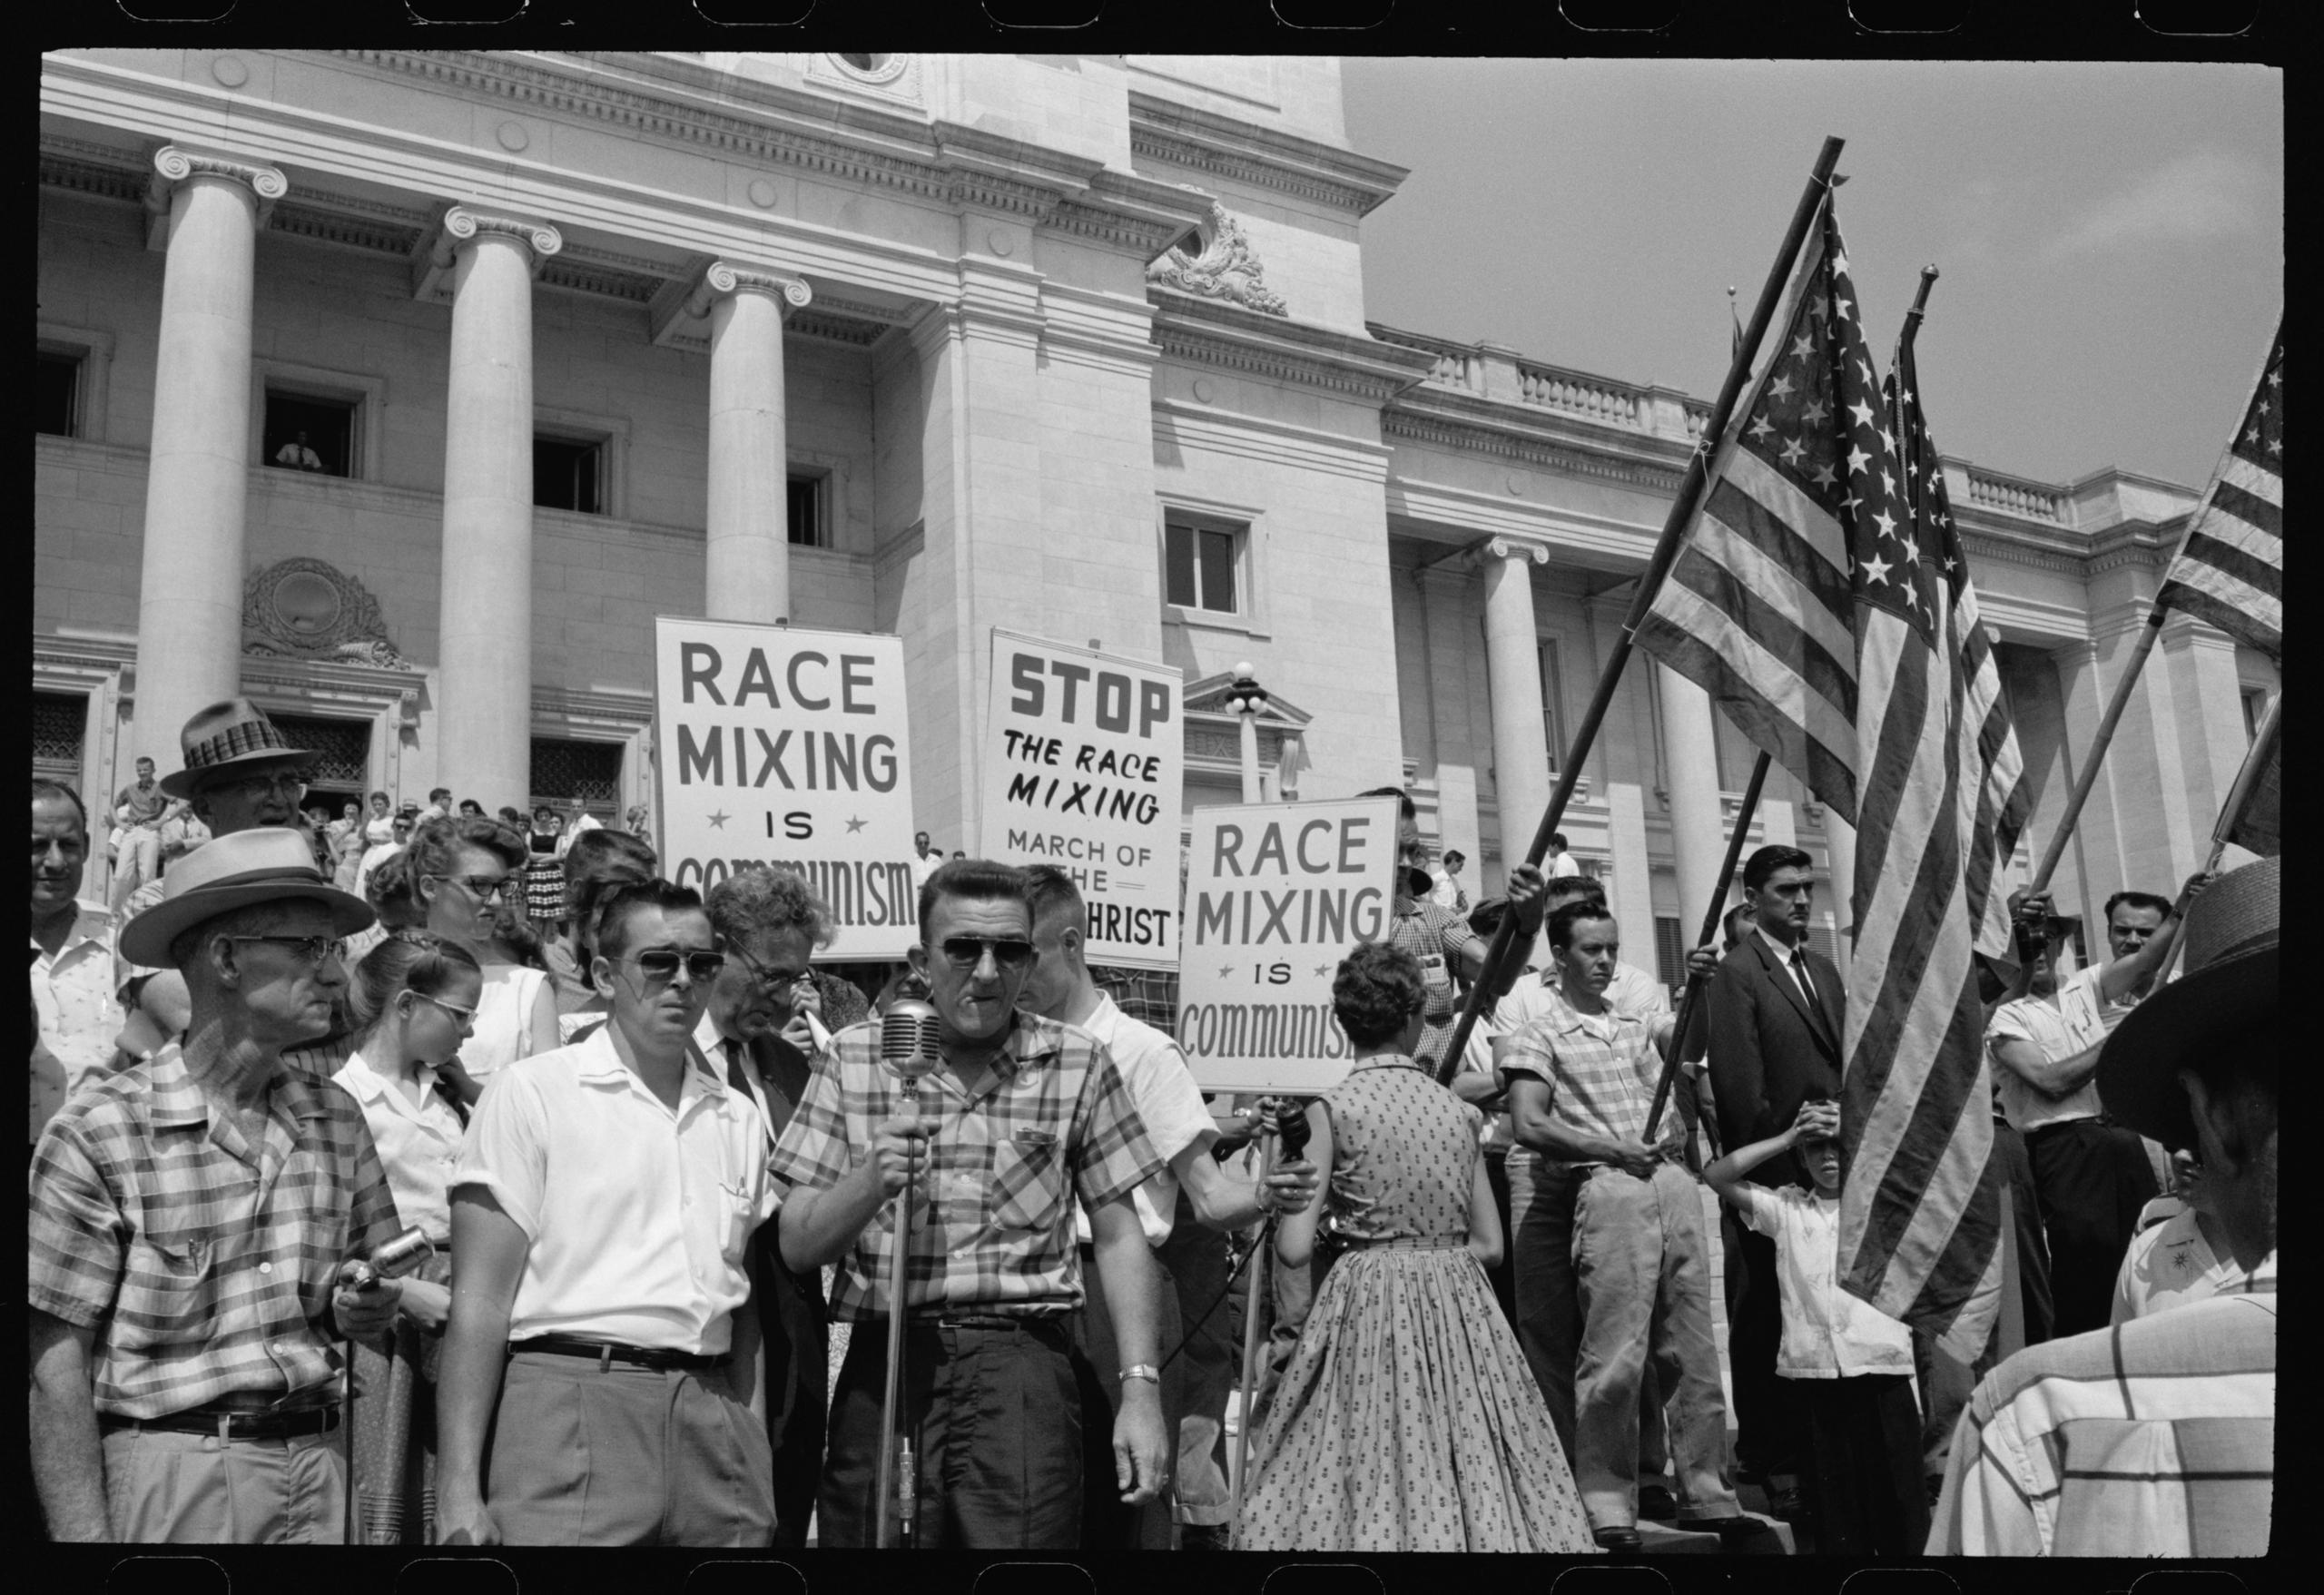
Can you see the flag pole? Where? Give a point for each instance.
(2140, 646)
(1820, 183)
(1693, 992)
(2255, 764)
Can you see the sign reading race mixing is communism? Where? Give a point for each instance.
(1084, 758)
(787, 747)
(1276, 894)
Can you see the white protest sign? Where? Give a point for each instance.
(1277, 895)
(787, 747)
(1084, 758)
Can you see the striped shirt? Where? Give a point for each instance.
(1600, 1068)
(205, 1268)
(2152, 1438)
(1436, 937)
(993, 1230)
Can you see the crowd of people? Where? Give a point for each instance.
(640, 1160)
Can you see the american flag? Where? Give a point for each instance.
(2230, 569)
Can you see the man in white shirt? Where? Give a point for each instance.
(1559, 862)
(757, 1031)
(378, 854)
(2181, 1253)
(298, 455)
(1448, 892)
(2090, 1175)
(602, 1212)
(925, 859)
(71, 956)
(1162, 1089)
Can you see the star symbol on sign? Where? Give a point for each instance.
(1228, 970)
(1779, 388)
(1794, 450)
(718, 821)
(1322, 969)
(853, 826)
(1862, 412)
(1804, 345)
(1877, 568)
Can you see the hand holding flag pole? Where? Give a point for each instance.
(1717, 910)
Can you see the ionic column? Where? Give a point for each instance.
(484, 718)
(1691, 766)
(197, 481)
(1521, 754)
(747, 573)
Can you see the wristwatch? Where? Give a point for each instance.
(1142, 1371)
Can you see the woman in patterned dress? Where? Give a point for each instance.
(1407, 1419)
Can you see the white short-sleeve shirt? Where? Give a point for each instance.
(419, 1142)
(1162, 1089)
(504, 1019)
(638, 1217)
(73, 993)
(1828, 1333)
(2168, 1265)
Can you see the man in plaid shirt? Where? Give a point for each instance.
(190, 1221)
(1024, 1114)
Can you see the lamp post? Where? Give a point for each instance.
(1245, 698)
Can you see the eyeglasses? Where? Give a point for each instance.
(661, 963)
(309, 951)
(966, 952)
(467, 1016)
(768, 979)
(483, 887)
(259, 787)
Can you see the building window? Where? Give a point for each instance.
(1669, 952)
(1553, 701)
(808, 529)
(2255, 710)
(342, 750)
(1199, 563)
(56, 393)
(59, 721)
(308, 432)
(564, 769)
(569, 473)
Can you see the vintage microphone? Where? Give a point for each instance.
(405, 1254)
(910, 1046)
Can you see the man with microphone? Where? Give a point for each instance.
(1022, 1115)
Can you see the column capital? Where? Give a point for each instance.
(174, 164)
(1504, 547)
(432, 270)
(722, 278)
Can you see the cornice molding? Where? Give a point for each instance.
(1221, 146)
(1213, 332)
(1479, 435)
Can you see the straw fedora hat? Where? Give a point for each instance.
(2231, 980)
(233, 739)
(272, 864)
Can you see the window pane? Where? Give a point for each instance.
(566, 474)
(805, 507)
(1552, 696)
(1669, 952)
(307, 434)
(1219, 571)
(1179, 564)
(56, 395)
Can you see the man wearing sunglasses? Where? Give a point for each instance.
(1023, 1115)
(192, 1222)
(602, 1211)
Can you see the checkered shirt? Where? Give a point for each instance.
(1427, 930)
(992, 1229)
(1601, 1068)
(205, 1270)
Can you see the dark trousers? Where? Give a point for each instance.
(1105, 1523)
(1503, 1275)
(995, 1419)
(1863, 1473)
(1767, 1438)
(2091, 1177)
(795, 1332)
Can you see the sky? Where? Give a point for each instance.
(2108, 237)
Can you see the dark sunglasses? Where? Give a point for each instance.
(965, 952)
(661, 963)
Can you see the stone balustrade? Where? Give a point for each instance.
(1615, 404)
(2014, 495)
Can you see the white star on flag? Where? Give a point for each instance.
(1876, 568)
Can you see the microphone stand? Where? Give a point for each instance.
(1263, 1265)
(897, 1487)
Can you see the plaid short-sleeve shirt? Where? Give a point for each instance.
(1601, 1068)
(206, 1267)
(1436, 937)
(993, 1223)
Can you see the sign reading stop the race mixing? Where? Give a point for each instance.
(787, 747)
(1085, 755)
(1276, 894)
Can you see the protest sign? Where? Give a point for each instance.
(787, 747)
(1085, 755)
(1276, 894)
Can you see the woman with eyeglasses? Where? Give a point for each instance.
(459, 867)
(414, 1000)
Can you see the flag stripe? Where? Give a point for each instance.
(2209, 558)
(1740, 532)
(2240, 611)
(2229, 569)
(1793, 521)
(1731, 575)
(1704, 647)
(2244, 519)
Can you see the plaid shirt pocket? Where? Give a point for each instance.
(169, 1293)
(1028, 1181)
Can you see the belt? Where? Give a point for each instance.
(605, 1353)
(997, 1323)
(233, 1425)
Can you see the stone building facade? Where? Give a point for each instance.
(401, 391)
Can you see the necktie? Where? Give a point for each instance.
(1807, 984)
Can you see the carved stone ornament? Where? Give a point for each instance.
(308, 609)
(1227, 268)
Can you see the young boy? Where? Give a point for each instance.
(1850, 1366)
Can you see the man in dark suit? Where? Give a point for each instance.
(1774, 1043)
(755, 1032)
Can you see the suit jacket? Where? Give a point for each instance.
(1770, 1050)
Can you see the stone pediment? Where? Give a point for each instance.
(309, 609)
(1208, 697)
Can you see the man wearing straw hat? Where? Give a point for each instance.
(2156, 1437)
(190, 1221)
